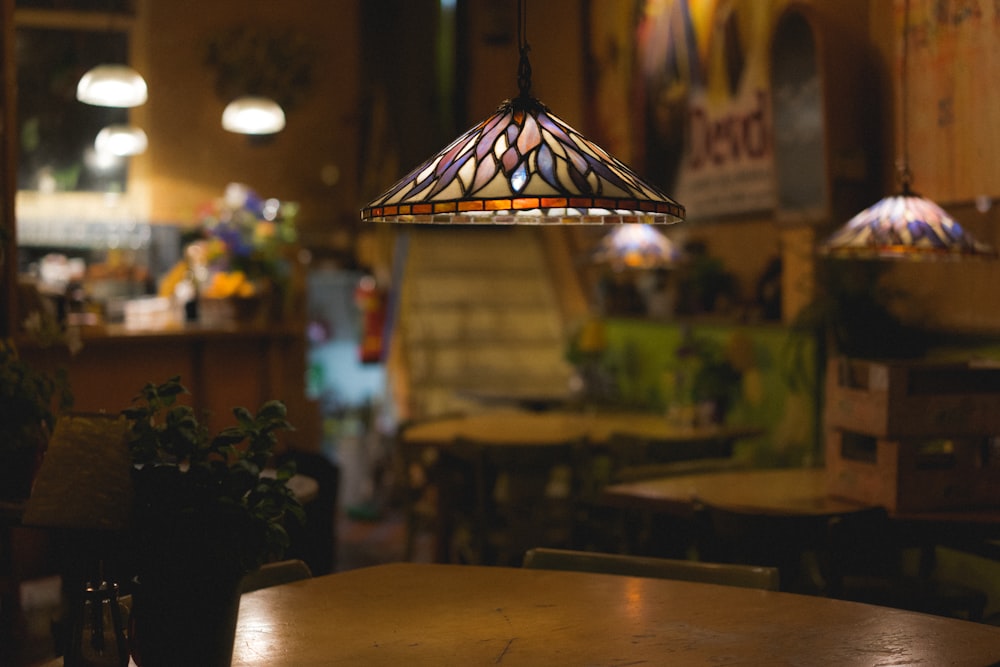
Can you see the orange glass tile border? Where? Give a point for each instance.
(524, 204)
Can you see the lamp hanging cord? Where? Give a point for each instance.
(904, 163)
(523, 66)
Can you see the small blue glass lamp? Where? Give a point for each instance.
(635, 246)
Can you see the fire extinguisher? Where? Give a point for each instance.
(371, 301)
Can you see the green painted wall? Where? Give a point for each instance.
(776, 387)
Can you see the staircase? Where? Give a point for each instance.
(479, 318)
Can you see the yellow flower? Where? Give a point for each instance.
(225, 284)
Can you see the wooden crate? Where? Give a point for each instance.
(914, 474)
(912, 399)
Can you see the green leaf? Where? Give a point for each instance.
(188, 473)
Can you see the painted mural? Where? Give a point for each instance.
(953, 72)
(694, 73)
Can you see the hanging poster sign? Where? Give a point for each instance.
(697, 72)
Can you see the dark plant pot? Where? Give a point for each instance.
(185, 618)
(17, 472)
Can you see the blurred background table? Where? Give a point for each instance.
(772, 517)
(792, 491)
(526, 427)
(593, 448)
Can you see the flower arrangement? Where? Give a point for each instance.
(240, 247)
(246, 242)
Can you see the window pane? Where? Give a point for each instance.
(56, 131)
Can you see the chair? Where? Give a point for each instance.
(746, 576)
(315, 541)
(790, 543)
(418, 480)
(858, 556)
(522, 495)
(275, 574)
(631, 458)
(867, 562)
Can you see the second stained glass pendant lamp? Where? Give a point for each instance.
(904, 225)
(523, 165)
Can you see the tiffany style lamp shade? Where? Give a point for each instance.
(522, 165)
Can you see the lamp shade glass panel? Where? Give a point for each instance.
(904, 226)
(253, 115)
(112, 86)
(523, 165)
(635, 247)
(121, 140)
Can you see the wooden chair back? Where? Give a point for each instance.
(746, 576)
(275, 574)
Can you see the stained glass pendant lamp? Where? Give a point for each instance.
(523, 165)
(635, 246)
(904, 225)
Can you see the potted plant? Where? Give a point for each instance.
(29, 403)
(203, 517)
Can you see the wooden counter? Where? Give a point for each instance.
(222, 367)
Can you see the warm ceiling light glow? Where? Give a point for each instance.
(98, 161)
(253, 115)
(121, 140)
(112, 86)
(523, 165)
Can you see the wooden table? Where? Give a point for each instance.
(786, 492)
(799, 494)
(518, 427)
(783, 492)
(417, 614)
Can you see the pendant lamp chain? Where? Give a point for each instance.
(905, 175)
(524, 65)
